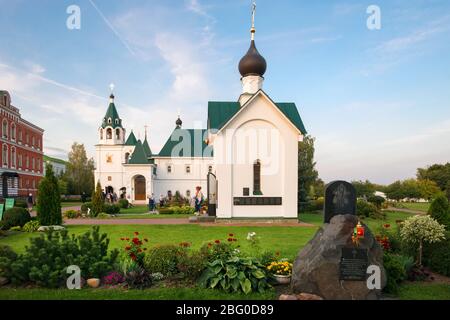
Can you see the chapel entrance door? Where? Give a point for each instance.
(139, 188)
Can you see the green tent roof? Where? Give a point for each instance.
(131, 141)
(220, 112)
(186, 143)
(138, 156)
(147, 149)
(112, 114)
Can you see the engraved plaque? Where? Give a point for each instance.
(354, 263)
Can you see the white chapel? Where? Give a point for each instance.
(245, 161)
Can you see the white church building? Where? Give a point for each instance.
(246, 160)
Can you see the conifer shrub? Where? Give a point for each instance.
(440, 210)
(97, 201)
(45, 260)
(49, 199)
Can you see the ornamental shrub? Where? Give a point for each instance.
(366, 209)
(85, 206)
(164, 259)
(97, 201)
(419, 230)
(111, 208)
(31, 226)
(191, 265)
(437, 256)
(15, 217)
(440, 210)
(123, 203)
(46, 259)
(395, 272)
(72, 214)
(236, 274)
(49, 199)
(165, 211)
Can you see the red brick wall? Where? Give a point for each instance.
(28, 144)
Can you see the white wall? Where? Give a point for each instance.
(279, 179)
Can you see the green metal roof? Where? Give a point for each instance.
(112, 114)
(51, 159)
(147, 149)
(138, 156)
(177, 146)
(220, 112)
(131, 141)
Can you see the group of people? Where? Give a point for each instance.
(110, 197)
(197, 201)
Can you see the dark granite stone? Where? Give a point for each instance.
(340, 198)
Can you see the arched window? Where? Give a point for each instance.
(109, 133)
(5, 129)
(13, 131)
(20, 135)
(117, 121)
(109, 120)
(127, 157)
(5, 155)
(101, 134)
(33, 141)
(20, 160)
(13, 157)
(118, 134)
(257, 178)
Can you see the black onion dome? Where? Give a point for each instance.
(178, 122)
(252, 64)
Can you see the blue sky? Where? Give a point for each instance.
(377, 101)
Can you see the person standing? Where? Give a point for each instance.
(161, 201)
(30, 202)
(198, 199)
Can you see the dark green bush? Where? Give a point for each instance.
(85, 206)
(376, 200)
(111, 208)
(367, 209)
(164, 259)
(15, 217)
(216, 251)
(395, 271)
(191, 265)
(123, 203)
(72, 214)
(440, 210)
(46, 259)
(437, 256)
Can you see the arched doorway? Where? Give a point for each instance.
(139, 188)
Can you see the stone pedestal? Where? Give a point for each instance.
(316, 269)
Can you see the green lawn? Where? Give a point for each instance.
(121, 294)
(71, 204)
(286, 240)
(135, 210)
(424, 291)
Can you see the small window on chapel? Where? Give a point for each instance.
(169, 169)
(109, 120)
(188, 169)
(210, 169)
(257, 178)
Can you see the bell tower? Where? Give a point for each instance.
(111, 131)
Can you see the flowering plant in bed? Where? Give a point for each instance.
(135, 249)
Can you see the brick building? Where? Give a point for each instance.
(21, 166)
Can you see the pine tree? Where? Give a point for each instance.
(307, 174)
(97, 200)
(49, 199)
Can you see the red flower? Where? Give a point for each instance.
(136, 241)
(387, 226)
(128, 248)
(231, 235)
(210, 244)
(136, 233)
(234, 239)
(133, 257)
(146, 240)
(230, 239)
(139, 250)
(122, 239)
(128, 239)
(217, 241)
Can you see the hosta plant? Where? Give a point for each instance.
(235, 274)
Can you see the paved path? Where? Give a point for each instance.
(406, 210)
(168, 221)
